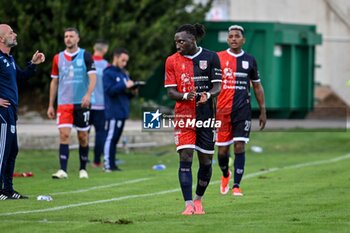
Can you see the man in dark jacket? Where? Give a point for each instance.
(116, 85)
(9, 74)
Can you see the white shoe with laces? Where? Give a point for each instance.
(83, 174)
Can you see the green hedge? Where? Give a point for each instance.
(145, 27)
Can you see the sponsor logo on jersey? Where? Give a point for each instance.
(228, 73)
(186, 83)
(200, 78)
(203, 64)
(241, 75)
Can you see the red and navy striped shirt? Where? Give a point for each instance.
(197, 72)
(238, 70)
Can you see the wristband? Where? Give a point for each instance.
(208, 95)
(184, 97)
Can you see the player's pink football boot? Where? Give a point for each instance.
(189, 210)
(198, 208)
(237, 192)
(225, 184)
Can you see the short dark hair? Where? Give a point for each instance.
(119, 51)
(197, 30)
(71, 29)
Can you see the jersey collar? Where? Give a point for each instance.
(72, 54)
(195, 55)
(233, 54)
(97, 58)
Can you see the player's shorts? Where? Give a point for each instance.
(235, 126)
(202, 140)
(69, 115)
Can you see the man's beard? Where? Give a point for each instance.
(11, 44)
(72, 46)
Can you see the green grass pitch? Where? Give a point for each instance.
(300, 183)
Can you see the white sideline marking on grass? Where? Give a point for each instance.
(101, 187)
(45, 221)
(91, 203)
(337, 159)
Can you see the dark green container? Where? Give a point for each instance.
(285, 54)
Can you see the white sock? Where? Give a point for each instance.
(190, 202)
(196, 197)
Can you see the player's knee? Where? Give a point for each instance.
(223, 151)
(186, 155)
(185, 158)
(205, 160)
(239, 147)
(83, 138)
(64, 137)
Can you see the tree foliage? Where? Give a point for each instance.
(144, 27)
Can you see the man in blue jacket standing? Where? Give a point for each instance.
(9, 74)
(116, 85)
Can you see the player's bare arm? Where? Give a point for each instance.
(53, 93)
(259, 95)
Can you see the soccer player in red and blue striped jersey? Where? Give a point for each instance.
(193, 79)
(239, 70)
